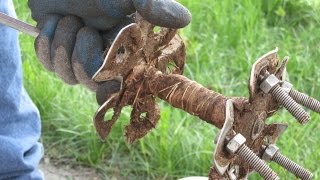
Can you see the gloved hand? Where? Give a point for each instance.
(71, 40)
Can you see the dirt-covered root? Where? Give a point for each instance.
(144, 84)
(188, 95)
(173, 57)
(144, 117)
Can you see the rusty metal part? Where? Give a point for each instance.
(273, 153)
(19, 25)
(237, 146)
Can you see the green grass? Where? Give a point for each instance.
(223, 41)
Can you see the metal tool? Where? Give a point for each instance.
(19, 25)
(287, 96)
(272, 153)
(284, 93)
(235, 145)
(271, 84)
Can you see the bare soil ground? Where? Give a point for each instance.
(65, 172)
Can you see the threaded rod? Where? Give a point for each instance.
(256, 163)
(305, 100)
(291, 166)
(292, 106)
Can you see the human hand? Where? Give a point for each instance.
(74, 33)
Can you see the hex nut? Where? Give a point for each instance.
(269, 153)
(269, 83)
(286, 86)
(235, 143)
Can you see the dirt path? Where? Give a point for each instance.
(64, 172)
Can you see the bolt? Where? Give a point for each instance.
(301, 98)
(271, 84)
(236, 146)
(305, 100)
(292, 106)
(272, 153)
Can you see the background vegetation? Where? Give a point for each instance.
(223, 40)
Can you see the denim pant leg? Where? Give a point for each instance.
(20, 151)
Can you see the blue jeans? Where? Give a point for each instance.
(20, 151)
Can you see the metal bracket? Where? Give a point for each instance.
(221, 162)
(117, 62)
(267, 61)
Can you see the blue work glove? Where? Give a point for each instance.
(75, 33)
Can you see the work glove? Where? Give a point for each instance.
(75, 33)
